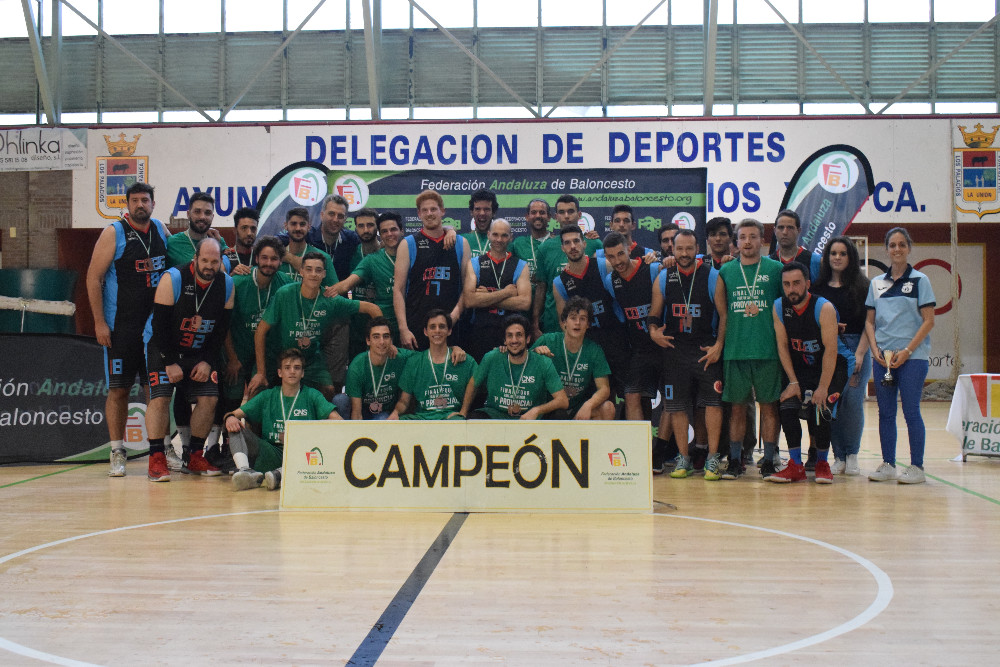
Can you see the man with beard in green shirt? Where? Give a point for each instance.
(516, 381)
(253, 294)
(744, 295)
(581, 364)
(433, 378)
(376, 271)
(272, 410)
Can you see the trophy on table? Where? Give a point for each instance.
(888, 379)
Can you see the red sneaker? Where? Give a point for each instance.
(793, 472)
(197, 465)
(823, 473)
(158, 471)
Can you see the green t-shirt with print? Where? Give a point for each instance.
(750, 294)
(576, 369)
(270, 408)
(437, 389)
(362, 379)
(526, 385)
(299, 322)
(249, 306)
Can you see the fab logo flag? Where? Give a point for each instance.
(827, 191)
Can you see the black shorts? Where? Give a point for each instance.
(161, 387)
(643, 374)
(686, 381)
(125, 359)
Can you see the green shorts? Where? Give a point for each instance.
(745, 377)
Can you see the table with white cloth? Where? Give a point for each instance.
(974, 418)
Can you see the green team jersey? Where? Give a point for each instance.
(377, 278)
(526, 385)
(551, 261)
(478, 243)
(577, 370)
(269, 409)
(526, 247)
(438, 389)
(299, 322)
(362, 379)
(293, 275)
(751, 290)
(249, 305)
(181, 247)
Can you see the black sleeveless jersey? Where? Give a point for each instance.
(197, 311)
(689, 305)
(805, 338)
(434, 279)
(590, 285)
(494, 276)
(130, 283)
(633, 294)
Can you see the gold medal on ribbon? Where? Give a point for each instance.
(375, 407)
(196, 323)
(752, 310)
(514, 409)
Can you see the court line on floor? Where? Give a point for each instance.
(962, 488)
(878, 605)
(48, 474)
(385, 627)
(374, 644)
(29, 652)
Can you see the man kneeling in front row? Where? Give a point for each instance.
(516, 381)
(272, 410)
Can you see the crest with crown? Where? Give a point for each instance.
(123, 147)
(980, 138)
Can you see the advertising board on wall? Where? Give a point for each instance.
(52, 393)
(748, 161)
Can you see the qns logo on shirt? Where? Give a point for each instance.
(300, 412)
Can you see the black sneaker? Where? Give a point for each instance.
(811, 460)
(734, 470)
(699, 457)
(767, 468)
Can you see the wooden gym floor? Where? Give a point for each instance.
(124, 572)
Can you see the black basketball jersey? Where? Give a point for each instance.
(633, 294)
(197, 310)
(805, 338)
(434, 279)
(689, 304)
(130, 283)
(494, 276)
(590, 285)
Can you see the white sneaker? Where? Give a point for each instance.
(851, 466)
(912, 475)
(117, 468)
(247, 479)
(272, 479)
(884, 473)
(838, 466)
(174, 462)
